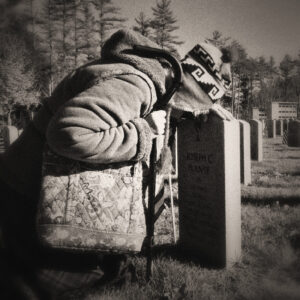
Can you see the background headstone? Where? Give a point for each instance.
(2, 145)
(293, 137)
(256, 140)
(245, 152)
(209, 190)
(285, 124)
(264, 127)
(10, 134)
(20, 131)
(279, 127)
(271, 124)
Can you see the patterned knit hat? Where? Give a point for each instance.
(210, 67)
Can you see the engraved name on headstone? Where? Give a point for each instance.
(209, 190)
(245, 152)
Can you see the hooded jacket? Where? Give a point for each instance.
(96, 114)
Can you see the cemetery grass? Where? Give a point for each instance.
(277, 178)
(270, 265)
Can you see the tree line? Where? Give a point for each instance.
(42, 41)
(258, 81)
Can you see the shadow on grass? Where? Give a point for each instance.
(293, 148)
(275, 200)
(176, 252)
(277, 143)
(296, 173)
(293, 173)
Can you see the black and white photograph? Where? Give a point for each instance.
(150, 149)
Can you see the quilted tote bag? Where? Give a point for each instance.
(91, 207)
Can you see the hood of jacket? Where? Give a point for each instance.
(119, 48)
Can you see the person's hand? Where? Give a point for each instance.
(221, 112)
(157, 122)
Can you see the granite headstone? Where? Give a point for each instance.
(256, 140)
(293, 138)
(279, 127)
(209, 190)
(271, 125)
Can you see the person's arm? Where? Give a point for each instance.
(105, 123)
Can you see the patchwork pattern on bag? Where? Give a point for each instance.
(88, 206)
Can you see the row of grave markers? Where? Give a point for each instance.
(214, 157)
(276, 128)
(289, 129)
(250, 148)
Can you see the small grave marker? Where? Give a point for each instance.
(256, 140)
(285, 124)
(271, 126)
(10, 134)
(293, 138)
(279, 127)
(245, 152)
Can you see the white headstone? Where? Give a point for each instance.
(293, 139)
(256, 140)
(209, 190)
(20, 131)
(245, 152)
(264, 127)
(10, 134)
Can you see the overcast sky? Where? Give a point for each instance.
(263, 27)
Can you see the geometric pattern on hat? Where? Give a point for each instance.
(210, 57)
(204, 63)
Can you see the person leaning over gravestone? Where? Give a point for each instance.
(101, 113)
